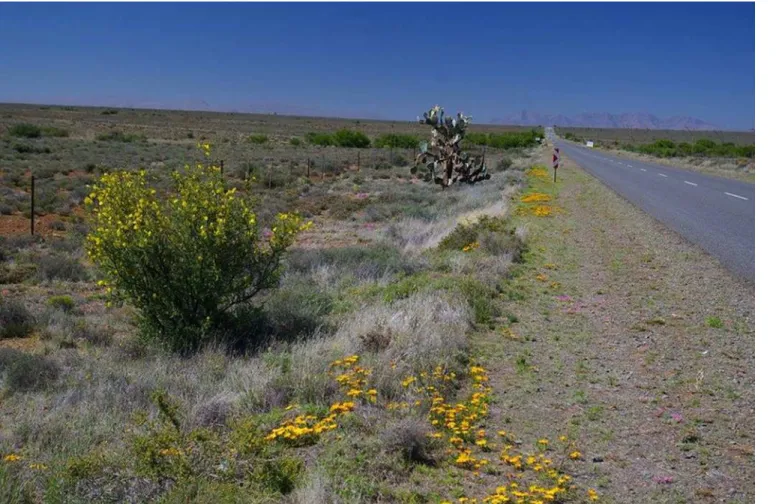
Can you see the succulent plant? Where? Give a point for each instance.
(444, 161)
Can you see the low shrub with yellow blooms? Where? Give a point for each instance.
(187, 257)
(536, 197)
(539, 172)
(471, 246)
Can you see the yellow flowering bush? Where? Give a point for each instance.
(186, 259)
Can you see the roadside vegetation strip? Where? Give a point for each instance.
(614, 349)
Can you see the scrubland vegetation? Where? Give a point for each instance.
(513, 340)
(174, 335)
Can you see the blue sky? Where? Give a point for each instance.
(387, 60)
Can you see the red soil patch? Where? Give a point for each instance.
(19, 224)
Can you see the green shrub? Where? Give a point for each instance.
(504, 164)
(31, 149)
(297, 310)
(703, 147)
(28, 373)
(96, 335)
(511, 140)
(321, 139)
(411, 437)
(461, 236)
(279, 475)
(348, 138)
(396, 141)
(60, 267)
(109, 112)
(714, 322)
(15, 320)
(499, 243)
(119, 136)
(16, 272)
(52, 131)
(258, 139)
(186, 258)
(64, 303)
(25, 130)
(479, 297)
(295, 142)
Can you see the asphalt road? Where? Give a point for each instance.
(715, 213)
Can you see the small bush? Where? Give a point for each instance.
(411, 438)
(502, 244)
(348, 138)
(504, 164)
(64, 303)
(31, 149)
(258, 139)
(297, 310)
(465, 234)
(187, 258)
(25, 130)
(119, 136)
(16, 272)
(29, 373)
(714, 322)
(460, 237)
(6, 209)
(400, 160)
(57, 226)
(295, 142)
(96, 335)
(109, 112)
(321, 139)
(51, 131)
(60, 267)
(279, 475)
(15, 320)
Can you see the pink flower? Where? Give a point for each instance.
(663, 480)
(362, 195)
(678, 418)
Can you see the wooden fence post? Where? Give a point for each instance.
(222, 168)
(32, 205)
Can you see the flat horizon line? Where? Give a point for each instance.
(277, 114)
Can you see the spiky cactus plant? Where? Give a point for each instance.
(443, 159)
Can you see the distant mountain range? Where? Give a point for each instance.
(606, 120)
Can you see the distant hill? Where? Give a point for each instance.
(606, 120)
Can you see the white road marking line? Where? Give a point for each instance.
(630, 166)
(690, 183)
(643, 169)
(663, 175)
(736, 196)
